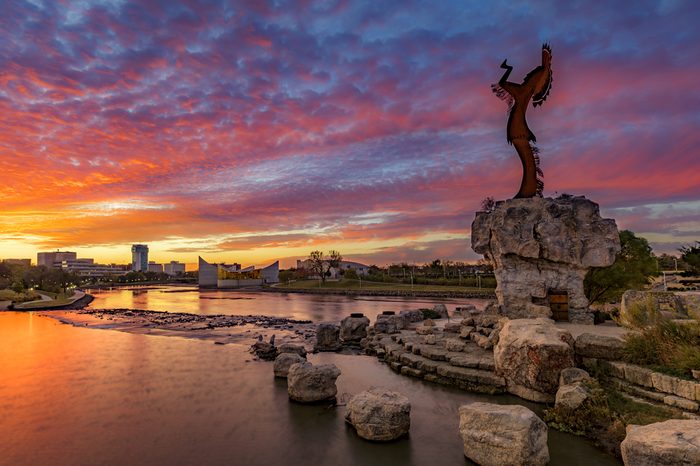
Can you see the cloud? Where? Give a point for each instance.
(287, 122)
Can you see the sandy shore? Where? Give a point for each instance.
(222, 329)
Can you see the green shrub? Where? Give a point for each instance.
(667, 347)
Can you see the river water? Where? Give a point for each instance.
(77, 396)
(298, 306)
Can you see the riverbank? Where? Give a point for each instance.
(78, 300)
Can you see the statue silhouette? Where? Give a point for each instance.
(535, 86)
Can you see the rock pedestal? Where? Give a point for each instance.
(530, 355)
(379, 414)
(500, 435)
(541, 247)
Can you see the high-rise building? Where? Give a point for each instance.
(139, 258)
(48, 259)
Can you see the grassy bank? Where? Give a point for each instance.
(359, 285)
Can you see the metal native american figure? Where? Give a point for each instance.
(535, 86)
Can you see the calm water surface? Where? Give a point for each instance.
(75, 396)
(291, 305)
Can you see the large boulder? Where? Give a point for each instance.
(503, 435)
(540, 245)
(668, 442)
(379, 414)
(530, 354)
(284, 361)
(307, 383)
(353, 328)
(327, 337)
(386, 323)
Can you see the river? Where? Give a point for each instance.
(78, 396)
(314, 307)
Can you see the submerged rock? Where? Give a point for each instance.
(668, 442)
(379, 414)
(307, 383)
(503, 435)
(264, 350)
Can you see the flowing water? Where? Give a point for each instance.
(291, 305)
(76, 396)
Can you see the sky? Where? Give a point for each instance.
(262, 130)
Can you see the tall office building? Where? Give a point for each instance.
(139, 258)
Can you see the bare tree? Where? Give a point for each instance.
(321, 265)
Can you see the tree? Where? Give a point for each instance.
(5, 275)
(321, 265)
(691, 256)
(633, 267)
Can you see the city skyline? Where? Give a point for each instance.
(248, 133)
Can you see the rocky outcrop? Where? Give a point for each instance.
(327, 337)
(379, 414)
(668, 442)
(307, 383)
(530, 355)
(503, 435)
(543, 246)
(284, 361)
(353, 328)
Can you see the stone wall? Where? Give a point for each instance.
(540, 245)
(653, 386)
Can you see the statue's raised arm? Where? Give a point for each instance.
(535, 87)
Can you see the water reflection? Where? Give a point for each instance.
(73, 396)
(293, 305)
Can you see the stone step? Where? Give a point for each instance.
(473, 360)
(471, 375)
